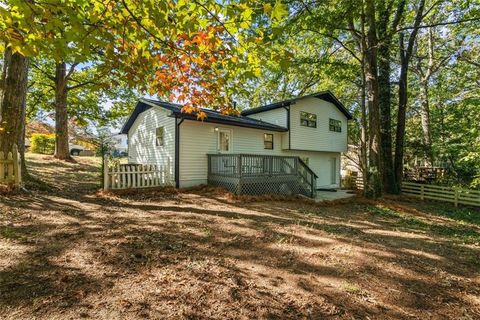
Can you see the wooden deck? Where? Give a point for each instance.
(261, 174)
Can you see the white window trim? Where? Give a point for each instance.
(163, 137)
(273, 141)
(230, 147)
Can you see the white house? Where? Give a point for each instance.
(300, 135)
(120, 142)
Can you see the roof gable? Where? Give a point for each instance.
(324, 95)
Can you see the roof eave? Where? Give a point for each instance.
(187, 116)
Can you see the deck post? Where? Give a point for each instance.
(209, 172)
(311, 185)
(239, 174)
(271, 166)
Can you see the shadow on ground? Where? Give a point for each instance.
(202, 255)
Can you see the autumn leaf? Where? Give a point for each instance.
(201, 115)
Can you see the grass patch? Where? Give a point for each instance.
(465, 215)
(353, 288)
(9, 233)
(460, 232)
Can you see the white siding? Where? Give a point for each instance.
(319, 138)
(276, 116)
(141, 138)
(197, 139)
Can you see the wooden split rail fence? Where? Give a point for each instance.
(10, 168)
(454, 195)
(133, 176)
(440, 193)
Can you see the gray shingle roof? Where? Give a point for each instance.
(212, 116)
(324, 95)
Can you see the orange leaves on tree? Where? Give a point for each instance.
(190, 76)
(188, 67)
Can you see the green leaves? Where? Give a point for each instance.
(279, 11)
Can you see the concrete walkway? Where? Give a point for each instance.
(331, 195)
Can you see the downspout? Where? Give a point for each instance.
(288, 126)
(177, 151)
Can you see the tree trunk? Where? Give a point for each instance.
(13, 90)
(425, 117)
(361, 44)
(364, 130)
(401, 117)
(374, 186)
(61, 116)
(21, 139)
(384, 71)
(405, 55)
(385, 34)
(424, 102)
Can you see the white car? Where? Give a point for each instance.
(75, 149)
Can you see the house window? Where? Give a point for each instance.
(335, 125)
(268, 141)
(159, 136)
(224, 140)
(308, 119)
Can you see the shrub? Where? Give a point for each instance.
(42, 143)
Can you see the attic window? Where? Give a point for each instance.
(308, 119)
(335, 125)
(159, 136)
(268, 141)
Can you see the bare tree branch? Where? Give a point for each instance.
(335, 39)
(82, 84)
(71, 70)
(46, 73)
(446, 23)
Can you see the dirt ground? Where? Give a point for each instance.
(69, 252)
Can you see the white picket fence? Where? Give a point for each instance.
(454, 195)
(10, 168)
(133, 176)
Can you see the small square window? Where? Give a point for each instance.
(335, 125)
(268, 141)
(308, 119)
(159, 136)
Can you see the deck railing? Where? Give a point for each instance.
(260, 174)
